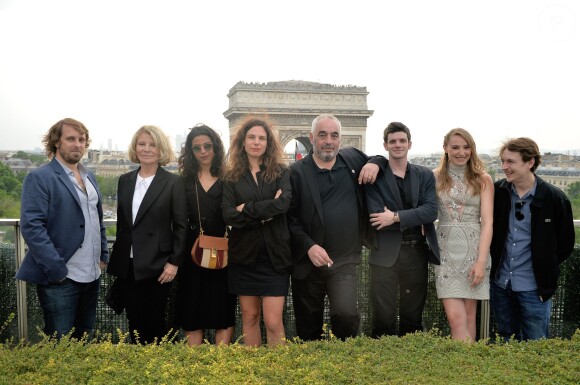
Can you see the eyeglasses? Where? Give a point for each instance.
(206, 146)
(519, 214)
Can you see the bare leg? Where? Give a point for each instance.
(251, 320)
(273, 308)
(457, 318)
(194, 337)
(224, 336)
(471, 308)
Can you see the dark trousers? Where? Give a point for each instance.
(408, 276)
(146, 304)
(308, 295)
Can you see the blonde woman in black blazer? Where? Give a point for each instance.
(151, 234)
(257, 194)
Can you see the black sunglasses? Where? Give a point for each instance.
(519, 214)
(206, 146)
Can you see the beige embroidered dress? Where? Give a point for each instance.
(458, 234)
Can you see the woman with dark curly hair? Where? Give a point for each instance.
(203, 300)
(257, 194)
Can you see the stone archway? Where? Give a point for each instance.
(296, 147)
(292, 105)
(305, 141)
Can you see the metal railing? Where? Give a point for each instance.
(21, 286)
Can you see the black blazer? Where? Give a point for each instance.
(159, 233)
(305, 216)
(384, 192)
(253, 223)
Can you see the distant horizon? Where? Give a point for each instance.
(492, 152)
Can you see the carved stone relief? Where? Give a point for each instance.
(292, 105)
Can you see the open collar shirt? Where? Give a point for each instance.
(84, 265)
(517, 267)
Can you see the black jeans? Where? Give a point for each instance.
(308, 294)
(408, 275)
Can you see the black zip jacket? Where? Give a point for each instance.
(553, 234)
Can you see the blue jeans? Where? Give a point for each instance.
(69, 305)
(520, 314)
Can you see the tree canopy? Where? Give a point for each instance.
(10, 189)
(37, 159)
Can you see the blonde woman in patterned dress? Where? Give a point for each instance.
(465, 205)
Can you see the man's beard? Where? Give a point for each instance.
(324, 156)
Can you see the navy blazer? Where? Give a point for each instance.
(385, 192)
(53, 224)
(159, 233)
(305, 216)
(262, 216)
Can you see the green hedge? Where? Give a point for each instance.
(565, 309)
(422, 358)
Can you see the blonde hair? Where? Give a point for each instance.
(474, 169)
(166, 154)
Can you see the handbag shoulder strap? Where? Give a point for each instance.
(199, 212)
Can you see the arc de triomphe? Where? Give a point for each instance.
(292, 105)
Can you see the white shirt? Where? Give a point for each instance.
(141, 187)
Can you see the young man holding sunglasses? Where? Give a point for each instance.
(533, 232)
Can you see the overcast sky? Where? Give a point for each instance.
(497, 68)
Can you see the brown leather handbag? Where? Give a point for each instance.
(207, 251)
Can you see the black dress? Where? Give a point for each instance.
(203, 299)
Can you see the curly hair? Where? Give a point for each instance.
(187, 163)
(159, 138)
(237, 159)
(52, 136)
(474, 170)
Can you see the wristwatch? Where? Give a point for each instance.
(395, 216)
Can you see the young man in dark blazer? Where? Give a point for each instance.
(328, 223)
(403, 206)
